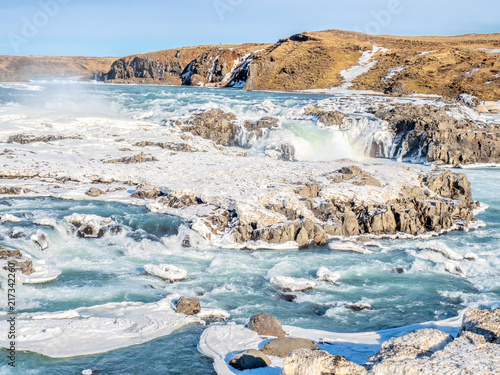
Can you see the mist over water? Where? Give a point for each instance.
(156, 104)
(111, 269)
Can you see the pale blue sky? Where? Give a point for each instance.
(123, 27)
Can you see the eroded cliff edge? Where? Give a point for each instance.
(446, 66)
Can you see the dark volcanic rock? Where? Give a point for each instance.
(249, 360)
(428, 133)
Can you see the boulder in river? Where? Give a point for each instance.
(188, 306)
(266, 325)
(282, 346)
(250, 359)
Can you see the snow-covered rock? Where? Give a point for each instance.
(290, 284)
(96, 329)
(166, 272)
(318, 362)
(349, 246)
(324, 274)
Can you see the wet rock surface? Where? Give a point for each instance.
(429, 133)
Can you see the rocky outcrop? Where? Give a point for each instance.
(18, 259)
(253, 131)
(135, 159)
(30, 138)
(356, 175)
(329, 118)
(319, 362)
(11, 190)
(266, 325)
(146, 191)
(475, 350)
(188, 306)
(173, 146)
(250, 359)
(223, 129)
(443, 201)
(216, 125)
(419, 343)
(195, 66)
(282, 347)
(91, 226)
(413, 214)
(428, 133)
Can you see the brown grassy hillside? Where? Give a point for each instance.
(21, 68)
(450, 65)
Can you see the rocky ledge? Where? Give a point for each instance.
(475, 350)
(430, 134)
(232, 199)
(311, 213)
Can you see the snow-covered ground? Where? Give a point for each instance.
(222, 342)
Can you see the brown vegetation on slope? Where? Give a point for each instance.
(22, 68)
(432, 65)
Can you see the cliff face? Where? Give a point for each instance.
(202, 65)
(22, 68)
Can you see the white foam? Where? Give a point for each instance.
(440, 248)
(166, 271)
(8, 218)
